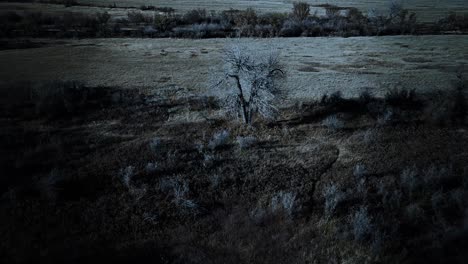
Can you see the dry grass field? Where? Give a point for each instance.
(315, 65)
(122, 150)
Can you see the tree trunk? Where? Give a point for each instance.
(245, 107)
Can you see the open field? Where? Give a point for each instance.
(101, 173)
(427, 10)
(315, 65)
(232, 150)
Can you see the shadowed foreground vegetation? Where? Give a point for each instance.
(99, 173)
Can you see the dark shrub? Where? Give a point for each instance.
(276, 20)
(247, 17)
(59, 98)
(454, 22)
(103, 18)
(166, 10)
(198, 31)
(164, 23)
(138, 17)
(332, 11)
(12, 17)
(460, 107)
(195, 16)
(334, 98)
(291, 28)
(69, 3)
(403, 99)
(147, 8)
(103, 29)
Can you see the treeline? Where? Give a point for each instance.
(199, 23)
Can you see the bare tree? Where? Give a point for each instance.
(395, 8)
(301, 10)
(248, 82)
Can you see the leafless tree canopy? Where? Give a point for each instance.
(301, 10)
(248, 85)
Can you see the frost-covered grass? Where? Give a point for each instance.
(340, 63)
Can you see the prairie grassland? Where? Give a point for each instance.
(315, 65)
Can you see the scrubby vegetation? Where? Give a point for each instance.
(324, 181)
(243, 173)
(151, 21)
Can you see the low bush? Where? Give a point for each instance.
(198, 31)
(333, 122)
(454, 22)
(59, 98)
(283, 201)
(196, 16)
(333, 197)
(219, 139)
(138, 18)
(361, 224)
(402, 98)
(246, 142)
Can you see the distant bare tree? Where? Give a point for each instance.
(301, 10)
(247, 84)
(395, 8)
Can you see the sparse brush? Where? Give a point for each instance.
(333, 99)
(195, 16)
(179, 189)
(215, 180)
(155, 145)
(459, 197)
(415, 213)
(333, 196)
(136, 192)
(126, 175)
(47, 185)
(359, 171)
(361, 185)
(409, 180)
(391, 199)
(434, 175)
(208, 159)
(361, 224)
(369, 136)
(439, 205)
(402, 98)
(460, 108)
(219, 139)
(386, 117)
(55, 99)
(333, 122)
(246, 142)
(365, 97)
(284, 201)
(151, 167)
